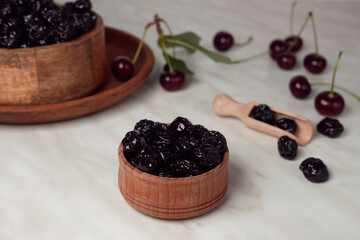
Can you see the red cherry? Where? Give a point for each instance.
(315, 63)
(122, 68)
(172, 81)
(329, 105)
(286, 61)
(300, 87)
(223, 41)
(298, 44)
(277, 47)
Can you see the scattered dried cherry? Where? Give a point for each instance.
(330, 127)
(287, 147)
(314, 170)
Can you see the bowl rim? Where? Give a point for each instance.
(155, 178)
(98, 26)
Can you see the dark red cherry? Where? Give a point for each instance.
(122, 68)
(166, 68)
(286, 61)
(172, 81)
(329, 106)
(277, 47)
(298, 44)
(223, 41)
(315, 64)
(300, 87)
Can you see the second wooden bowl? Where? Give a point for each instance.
(172, 198)
(53, 73)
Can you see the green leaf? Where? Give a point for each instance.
(215, 56)
(192, 45)
(188, 37)
(179, 65)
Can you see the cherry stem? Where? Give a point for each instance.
(315, 36)
(157, 21)
(171, 35)
(336, 86)
(292, 17)
(253, 57)
(137, 53)
(292, 44)
(244, 43)
(331, 94)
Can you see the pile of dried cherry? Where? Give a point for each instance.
(180, 149)
(34, 23)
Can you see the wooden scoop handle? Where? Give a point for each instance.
(224, 106)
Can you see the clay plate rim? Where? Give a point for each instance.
(109, 93)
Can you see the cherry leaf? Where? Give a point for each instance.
(188, 37)
(190, 41)
(179, 65)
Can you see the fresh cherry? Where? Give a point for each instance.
(172, 81)
(300, 87)
(122, 68)
(277, 47)
(315, 63)
(286, 61)
(223, 41)
(298, 43)
(329, 105)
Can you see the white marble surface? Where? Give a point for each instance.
(59, 180)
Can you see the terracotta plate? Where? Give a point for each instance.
(112, 91)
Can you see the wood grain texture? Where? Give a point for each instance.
(110, 92)
(172, 198)
(18, 69)
(223, 105)
(53, 73)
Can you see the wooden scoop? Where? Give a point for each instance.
(225, 106)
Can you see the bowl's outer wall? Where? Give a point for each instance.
(53, 73)
(172, 198)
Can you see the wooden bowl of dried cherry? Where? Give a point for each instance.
(53, 73)
(161, 191)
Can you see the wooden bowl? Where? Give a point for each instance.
(53, 73)
(172, 198)
(111, 91)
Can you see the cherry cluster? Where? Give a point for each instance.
(175, 70)
(171, 79)
(327, 103)
(283, 50)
